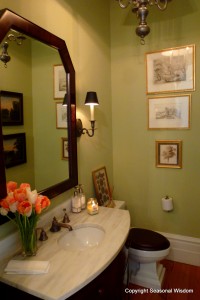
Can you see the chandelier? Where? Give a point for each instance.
(141, 11)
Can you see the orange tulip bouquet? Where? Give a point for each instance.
(26, 205)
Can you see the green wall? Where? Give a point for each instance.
(122, 142)
(136, 179)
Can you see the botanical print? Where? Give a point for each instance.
(168, 154)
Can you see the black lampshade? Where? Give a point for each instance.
(91, 98)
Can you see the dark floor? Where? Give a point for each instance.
(181, 282)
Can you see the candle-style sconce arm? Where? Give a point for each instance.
(80, 130)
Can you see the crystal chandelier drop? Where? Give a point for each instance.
(140, 8)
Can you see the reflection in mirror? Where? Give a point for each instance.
(30, 72)
(43, 139)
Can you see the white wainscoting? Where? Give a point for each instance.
(184, 249)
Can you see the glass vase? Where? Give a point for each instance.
(28, 235)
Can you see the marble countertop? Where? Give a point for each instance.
(70, 271)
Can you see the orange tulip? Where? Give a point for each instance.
(11, 186)
(25, 185)
(25, 208)
(41, 203)
(20, 194)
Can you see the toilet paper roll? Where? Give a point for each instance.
(167, 204)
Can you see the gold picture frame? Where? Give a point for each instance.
(61, 115)
(169, 112)
(102, 188)
(170, 70)
(169, 154)
(59, 82)
(65, 150)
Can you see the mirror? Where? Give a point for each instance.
(47, 46)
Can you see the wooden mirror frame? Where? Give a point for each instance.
(10, 20)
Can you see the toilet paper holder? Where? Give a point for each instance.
(167, 203)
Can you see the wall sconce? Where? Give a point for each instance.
(4, 56)
(91, 100)
(65, 100)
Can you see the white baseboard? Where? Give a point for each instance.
(184, 249)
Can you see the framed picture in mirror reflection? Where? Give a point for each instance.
(60, 83)
(11, 104)
(14, 146)
(61, 115)
(65, 153)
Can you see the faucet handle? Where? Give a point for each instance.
(55, 225)
(43, 235)
(65, 218)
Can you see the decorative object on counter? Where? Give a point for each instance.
(82, 196)
(26, 205)
(141, 11)
(92, 206)
(76, 201)
(169, 154)
(27, 267)
(66, 217)
(170, 70)
(167, 203)
(102, 188)
(91, 100)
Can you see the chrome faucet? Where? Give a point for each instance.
(56, 226)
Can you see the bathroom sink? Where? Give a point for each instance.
(82, 237)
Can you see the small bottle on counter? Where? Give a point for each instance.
(82, 196)
(76, 201)
(92, 206)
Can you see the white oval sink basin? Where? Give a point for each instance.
(82, 237)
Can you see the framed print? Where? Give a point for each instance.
(101, 185)
(65, 153)
(61, 115)
(14, 146)
(171, 112)
(169, 154)
(171, 70)
(11, 105)
(60, 82)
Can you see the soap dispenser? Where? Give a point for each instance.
(76, 201)
(82, 196)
